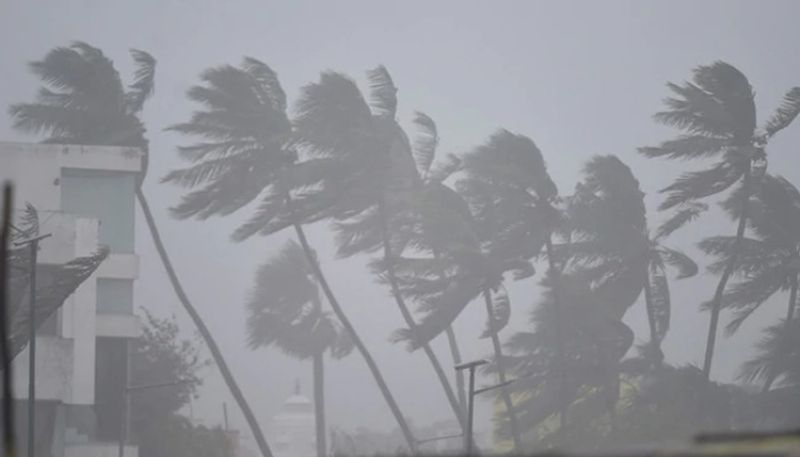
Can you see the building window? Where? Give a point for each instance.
(114, 296)
(104, 195)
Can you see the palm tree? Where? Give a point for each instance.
(371, 174)
(513, 198)
(434, 232)
(778, 357)
(83, 101)
(592, 342)
(250, 150)
(614, 249)
(285, 311)
(716, 113)
(767, 264)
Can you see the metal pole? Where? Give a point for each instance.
(34, 246)
(470, 441)
(471, 366)
(123, 419)
(8, 400)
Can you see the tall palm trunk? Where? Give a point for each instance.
(787, 325)
(409, 319)
(560, 354)
(373, 367)
(501, 375)
(716, 304)
(319, 404)
(216, 354)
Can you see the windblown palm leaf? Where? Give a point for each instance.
(54, 283)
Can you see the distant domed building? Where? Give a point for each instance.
(292, 432)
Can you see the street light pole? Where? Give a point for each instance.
(469, 442)
(471, 366)
(33, 244)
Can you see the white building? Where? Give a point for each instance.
(85, 198)
(291, 432)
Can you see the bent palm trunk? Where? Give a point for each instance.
(716, 304)
(409, 319)
(216, 354)
(501, 374)
(373, 367)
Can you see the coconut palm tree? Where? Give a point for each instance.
(612, 246)
(457, 270)
(249, 150)
(591, 342)
(767, 264)
(83, 101)
(716, 113)
(285, 311)
(778, 357)
(372, 176)
(512, 196)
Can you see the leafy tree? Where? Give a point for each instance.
(370, 174)
(285, 311)
(84, 101)
(716, 113)
(159, 355)
(249, 150)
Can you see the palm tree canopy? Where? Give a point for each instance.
(244, 152)
(716, 113)
(84, 101)
(777, 356)
(767, 263)
(284, 309)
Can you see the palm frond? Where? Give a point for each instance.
(683, 263)
(660, 305)
(268, 82)
(426, 142)
(686, 147)
(685, 213)
(143, 84)
(383, 92)
(777, 354)
(698, 185)
(786, 113)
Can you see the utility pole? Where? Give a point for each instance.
(8, 402)
(469, 441)
(471, 366)
(33, 245)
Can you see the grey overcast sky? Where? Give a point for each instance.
(580, 78)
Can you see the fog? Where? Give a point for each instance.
(580, 79)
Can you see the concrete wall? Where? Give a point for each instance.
(66, 362)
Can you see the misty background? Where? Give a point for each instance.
(579, 78)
